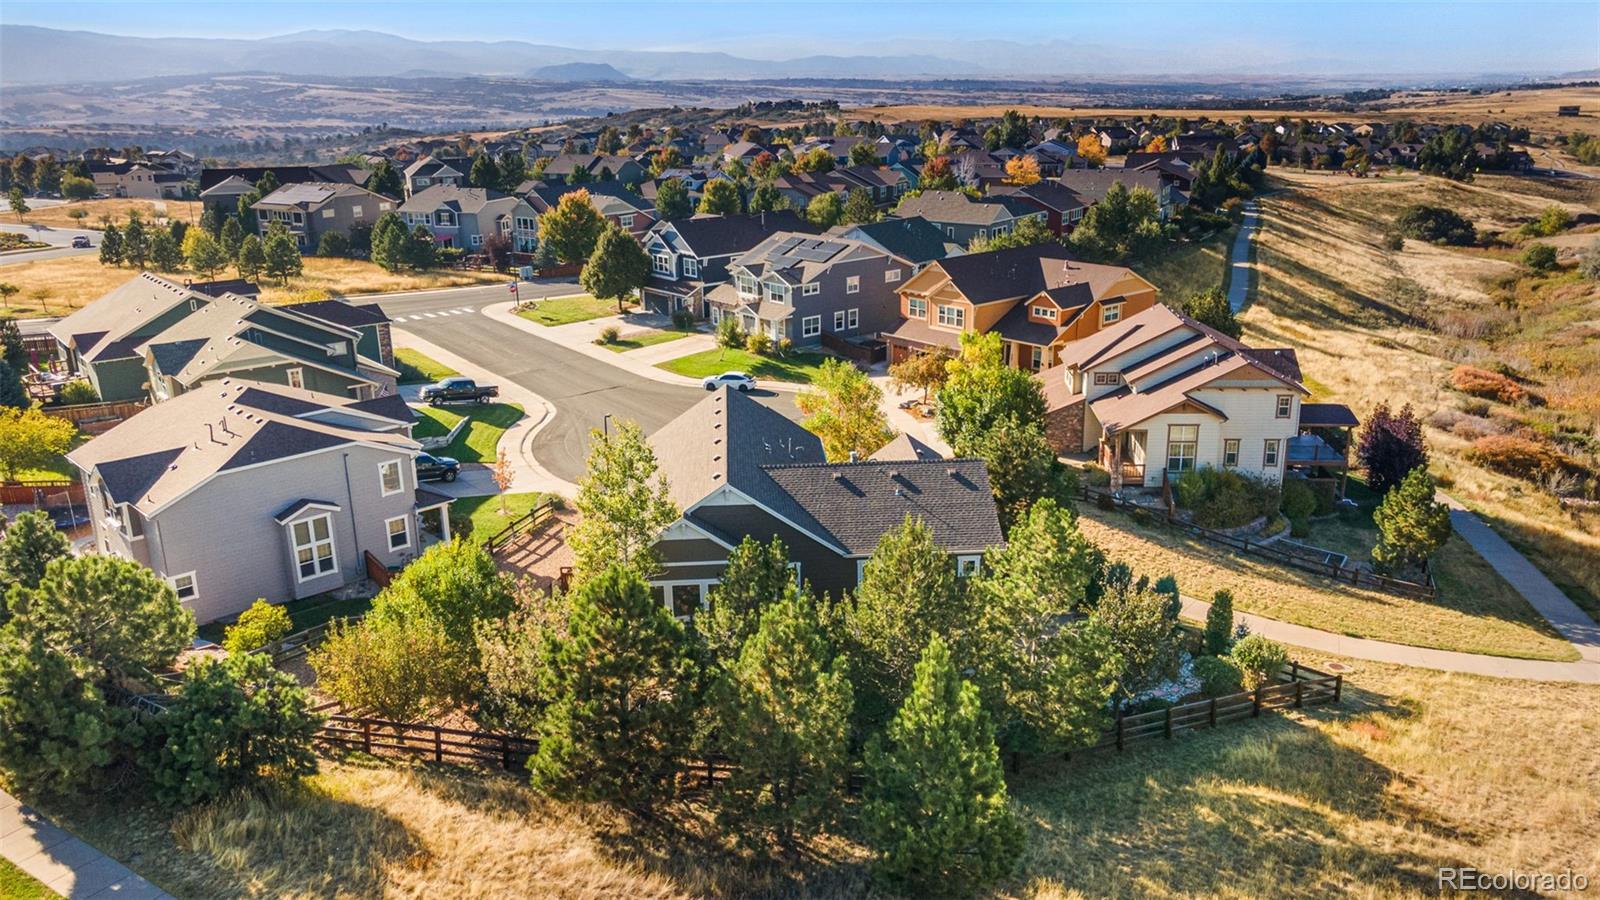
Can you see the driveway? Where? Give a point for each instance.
(582, 390)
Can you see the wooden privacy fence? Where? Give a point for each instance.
(95, 418)
(524, 524)
(42, 494)
(376, 570)
(1301, 687)
(1360, 578)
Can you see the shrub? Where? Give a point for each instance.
(1539, 257)
(1327, 497)
(1105, 502)
(1258, 659)
(1299, 504)
(257, 627)
(1218, 676)
(609, 335)
(785, 346)
(1589, 262)
(233, 723)
(1223, 498)
(387, 668)
(729, 336)
(683, 319)
(1435, 224)
(1488, 385)
(333, 244)
(758, 343)
(1553, 220)
(1394, 240)
(78, 392)
(1219, 623)
(1518, 456)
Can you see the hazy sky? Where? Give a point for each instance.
(1384, 37)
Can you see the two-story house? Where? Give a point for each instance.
(466, 217)
(800, 287)
(245, 490)
(1159, 394)
(1093, 184)
(428, 172)
(612, 200)
(1062, 206)
(736, 468)
(962, 217)
(222, 186)
(914, 240)
(1037, 298)
(598, 168)
(311, 209)
(690, 256)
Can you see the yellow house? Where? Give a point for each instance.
(1037, 298)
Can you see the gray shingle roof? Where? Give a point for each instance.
(956, 207)
(912, 238)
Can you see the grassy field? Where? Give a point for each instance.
(419, 368)
(798, 366)
(648, 338)
(1188, 268)
(57, 286)
(484, 512)
(16, 884)
(1476, 612)
(476, 442)
(115, 210)
(1373, 325)
(566, 310)
(1415, 770)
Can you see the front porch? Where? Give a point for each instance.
(1123, 455)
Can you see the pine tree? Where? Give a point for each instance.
(784, 711)
(165, 254)
(231, 236)
(56, 729)
(484, 172)
(385, 180)
(756, 576)
(935, 806)
(390, 241)
(1412, 525)
(1219, 623)
(622, 686)
(111, 246)
(421, 250)
(859, 208)
(135, 242)
(282, 257)
(252, 257)
(30, 542)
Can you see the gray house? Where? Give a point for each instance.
(688, 257)
(963, 218)
(467, 217)
(247, 490)
(737, 468)
(428, 172)
(800, 287)
(316, 208)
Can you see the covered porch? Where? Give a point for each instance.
(1321, 451)
(1123, 455)
(433, 518)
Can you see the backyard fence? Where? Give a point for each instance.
(294, 646)
(522, 525)
(1299, 687)
(42, 493)
(1315, 563)
(382, 737)
(377, 572)
(95, 418)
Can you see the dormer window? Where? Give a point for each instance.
(1044, 312)
(1111, 314)
(691, 268)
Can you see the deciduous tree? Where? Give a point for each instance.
(1022, 170)
(720, 197)
(845, 409)
(1091, 151)
(1391, 446)
(572, 227)
(672, 200)
(29, 438)
(623, 503)
(981, 391)
(617, 268)
(825, 210)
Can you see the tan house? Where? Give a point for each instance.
(1037, 298)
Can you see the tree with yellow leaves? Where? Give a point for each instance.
(1022, 170)
(1158, 144)
(1091, 151)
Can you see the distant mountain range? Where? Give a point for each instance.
(34, 55)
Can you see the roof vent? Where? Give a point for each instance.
(951, 472)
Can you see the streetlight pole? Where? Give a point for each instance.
(605, 424)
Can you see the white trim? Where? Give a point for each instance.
(389, 535)
(400, 476)
(810, 326)
(194, 586)
(975, 560)
(699, 533)
(727, 489)
(295, 548)
(389, 448)
(295, 377)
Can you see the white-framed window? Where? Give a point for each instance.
(838, 320)
(327, 214)
(524, 223)
(299, 218)
(852, 285)
(1045, 313)
(1230, 453)
(1285, 405)
(399, 532)
(1181, 443)
(891, 276)
(984, 232)
(390, 478)
(778, 293)
(917, 308)
(1269, 454)
(356, 211)
(691, 268)
(795, 568)
(954, 316)
(1110, 314)
(1036, 358)
(313, 547)
(746, 284)
(477, 240)
(968, 565)
(296, 377)
(184, 586)
(811, 326)
(1107, 378)
(445, 218)
(811, 289)
(383, 205)
(852, 317)
(661, 263)
(625, 221)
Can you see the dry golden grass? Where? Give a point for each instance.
(117, 210)
(56, 286)
(1328, 288)
(1476, 612)
(1415, 770)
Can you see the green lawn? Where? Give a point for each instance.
(304, 613)
(16, 884)
(478, 441)
(645, 339)
(57, 469)
(415, 368)
(484, 512)
(566, 310)
(798, 366)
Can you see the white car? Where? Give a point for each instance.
(737, 381)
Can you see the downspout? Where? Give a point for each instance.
(355, 532)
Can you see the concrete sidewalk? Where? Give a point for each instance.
(1239, 258)
(64, 863)
(518, 439)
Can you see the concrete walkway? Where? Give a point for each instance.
(64, 863)
(1239, 258)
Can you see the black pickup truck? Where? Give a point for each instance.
(458, 390)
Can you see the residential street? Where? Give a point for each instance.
(59, 239)
(583, 390)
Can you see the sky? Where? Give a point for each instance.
(1385, 37)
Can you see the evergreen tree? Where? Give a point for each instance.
(908, 593)
(672, 200)
(858, 208)
(623, 504)
(165, 254)
(421, 251)
(111, 246)
(252, 258)
(617, 268)
(513, 172)
(282, 257)
(13, 394)
(1212, 308)
(766, 198)
(935, 806)
(784, 712)
(385, 179)
(484, 172)
(231, 236)
(30, 542)
(135, 242)
(720, 197)
(622, 686)
(1412, 525)
(1219, 623)
(56, 729)
(1023, 468)
(757, 575)
(390, 241)
(209, 223)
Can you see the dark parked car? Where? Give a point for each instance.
(455, 390)
(437, 468)
(81, 241)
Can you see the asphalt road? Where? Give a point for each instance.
(59, 239)
(582, 390)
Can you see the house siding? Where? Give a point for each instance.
(827, 571)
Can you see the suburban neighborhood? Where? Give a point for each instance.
(977, 484)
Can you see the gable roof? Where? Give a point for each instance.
(958, 208)
(913, 238)
(707, 236)
(339, 174)
(341, 312)
(798, 258)
(309, 195)
(1026, 271)
(102, 329)
(469, 200)
(905, 447)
